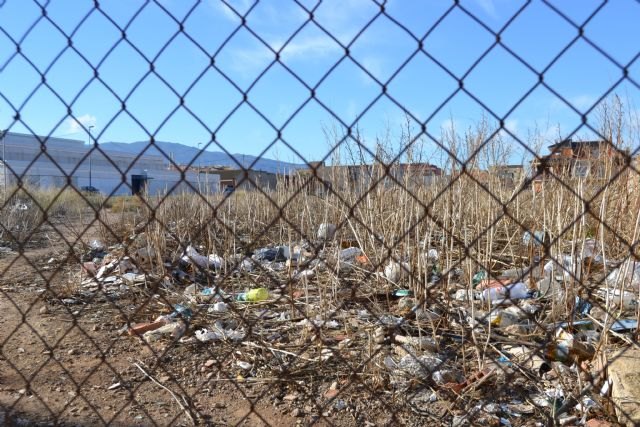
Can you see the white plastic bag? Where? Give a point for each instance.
(566, 268)
(394, 271)
(628, 274)
(212, 261)
(326, 231)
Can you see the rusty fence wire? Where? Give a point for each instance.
(365, 287)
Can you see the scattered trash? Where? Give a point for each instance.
(133, 279)
(625, 325)
(478, 277)
(582, 307)
(340, 405)
(349, 254)
(493, 283)
(396, 324)
(319, 323)
(254, 295)
(420, 343)
(97, 245)
(466, 295)
(363, 260)
(619, 325)
(537, 238)
(501, 293)
(528, 359)
(394, 271)
(219, 307)
(592, 250)
(90, 267)
(419, 368)
(206, 292)
(619, 298)
(204, 335)
(566, 268)
(326, 231)
(212, 261)
(175, 330)
(432, 255)
(627, 274)
(567, 349)
(516, 274)
(161, 321)
(474, 380)
(244, 365)
(278, 254)
(144, 257)
(549, 287)
(305, 274)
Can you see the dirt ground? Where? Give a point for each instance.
(64, 361)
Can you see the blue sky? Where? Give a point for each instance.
(426, 85)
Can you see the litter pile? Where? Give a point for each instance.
(491, 348)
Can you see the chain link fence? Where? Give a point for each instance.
(419, 279)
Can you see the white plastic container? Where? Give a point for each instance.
(513, 291)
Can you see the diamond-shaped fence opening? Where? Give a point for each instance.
(319, 213)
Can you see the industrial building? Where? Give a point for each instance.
(56, 162)
(234, 178)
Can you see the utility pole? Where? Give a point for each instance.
(199, 167)
(90, 156)
(3, 134)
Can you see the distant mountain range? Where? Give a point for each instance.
(184, 154)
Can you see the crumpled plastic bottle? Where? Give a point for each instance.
(254, 295)
(478, 277)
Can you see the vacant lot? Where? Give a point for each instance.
(381, 306)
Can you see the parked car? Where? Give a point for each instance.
(89, 189)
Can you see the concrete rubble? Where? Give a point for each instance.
(624, 378)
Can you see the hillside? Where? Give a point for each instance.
(184, 154)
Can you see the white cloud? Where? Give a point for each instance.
(344, 18)
(315, 46)
(80, 124)
(249, 60)
(246, 61)
(227, 9)
(553, 133)
(273, 23)
(512, 126)
(375, 66)
(450, 126)
(580, 102)
(352, 110)
(489, 7)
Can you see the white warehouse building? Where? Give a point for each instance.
(58, 161)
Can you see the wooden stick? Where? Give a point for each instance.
(614, 333)
(186, 410)
(252, 344)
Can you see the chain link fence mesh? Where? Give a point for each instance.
(366, 287)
